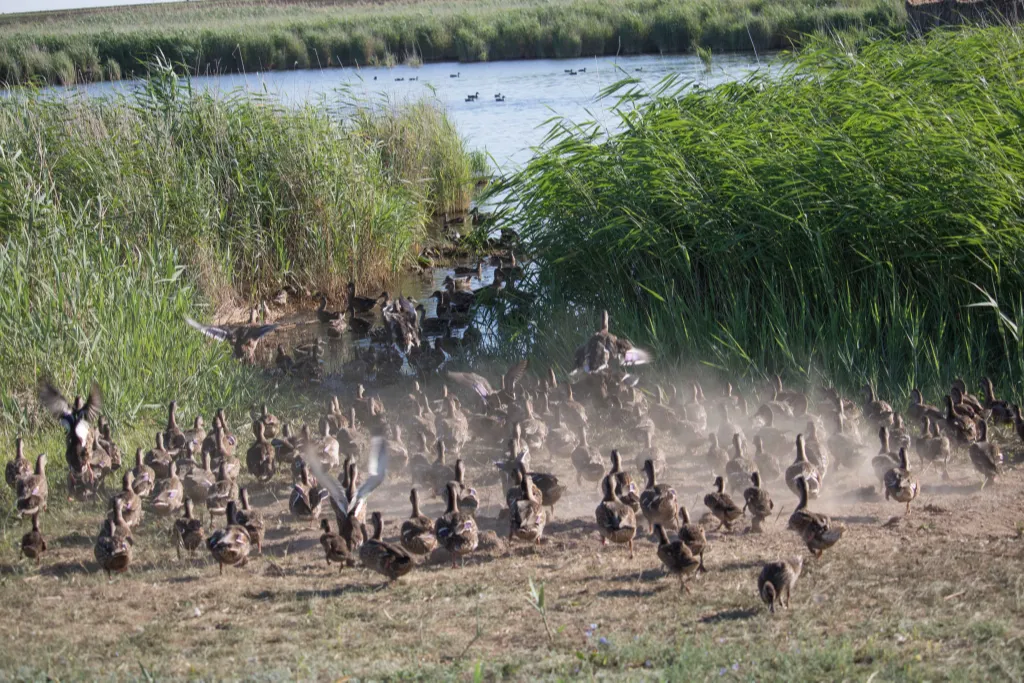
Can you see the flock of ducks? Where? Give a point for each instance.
(492, 436)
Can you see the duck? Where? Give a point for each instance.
(144, 478)
(306, 500)
(587, 461)
(526, 515)
(453, 428)
(616, 521)
(551, 489)
(33, 544)
(962, 428)
(223, 490)
(886, 458)
(727, 429)
(188, 532)
(625, 487)
(758, 501)
(515, 492)
(131, 508)
(361, 304)
(845, 444)
(159, 458)
(717, 457)
(417, 532)
(573, 411)
(325, 316)
(33, 490)
(440, 472)
(653, 453)
(251, 519)
(18, 467)
(986, 456)
(106, 443)
(960, 388)
(766, 463)
(197, 483)
(271, 423)
(260, 458)
(174, 437)
(817, 530)
(561, 439)
(113, 548)
(456, 532)
(76, 421)
(336, 548)
(169, 494)
(603, 347)
(390, 560)
(919, 409)
(899, 483)
(244, 339)
(692, 535)
(676, 557)
(658, 502)
(899, 434)
(801, 467)
(739, 468)
(1000, 412)
(817, 453)
(231, 544)
(932, 446)
(349, 502)
(878, 413)
(468, 500)
(777, 580)
(722, 506)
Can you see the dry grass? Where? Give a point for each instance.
(937, 595)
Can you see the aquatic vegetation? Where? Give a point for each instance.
(855, 216)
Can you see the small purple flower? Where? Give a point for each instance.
(736, 666)
(602, 640)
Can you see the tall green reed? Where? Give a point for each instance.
(854, 216)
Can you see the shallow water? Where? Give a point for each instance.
(534, 90)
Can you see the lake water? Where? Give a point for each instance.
(534, 91)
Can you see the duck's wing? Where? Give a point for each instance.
(476, 382)
(515, 373)
(217, 332)
(91, 410)
(325, 479)
(255, 332)
(55, 402)
(377, 467)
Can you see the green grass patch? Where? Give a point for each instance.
(854, 216)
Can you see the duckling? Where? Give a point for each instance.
(816, 529)
(962, 428)
(260, 458)
(159, 459)
(251, 519)
(456, 532)
(19, 467)
(306, 500)
(692, 535)
(801, 467)
(131, 502)
(224, 489)
(1000, 412)
(615, 520)
(230, 545)
(777, 580)
(188, 532)
(33, 545)
(586, 460)
(197, 483)
(336, 548)
(526, 515)
(388, 559)
(717, 457)
(113, 549)
(418, 531)
(144, 476)
(169, 494)
(658, 502)
(33, 490)
(722, 505)
(759, 502)
(676, 557)
(766, 463)
(878, 413)
(886, 458)
(986, 456)
(899, 483)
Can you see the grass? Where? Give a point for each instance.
(854, 216)
(217, 36)
(119, 217)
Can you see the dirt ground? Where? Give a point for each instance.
(936, 595)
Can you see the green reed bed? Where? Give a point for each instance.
(120, 217)
(855, 216)
(217, 36)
